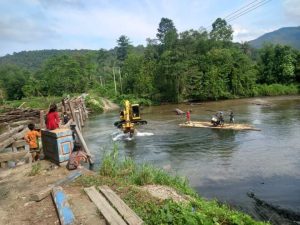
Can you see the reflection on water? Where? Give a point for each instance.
(220, 164)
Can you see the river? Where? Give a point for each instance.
(220, 164)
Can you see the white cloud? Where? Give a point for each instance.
(242, 34)
(105, 23)
(292, 10)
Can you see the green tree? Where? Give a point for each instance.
(13, 79)
(63, 74)
(166, 30)
(221, 31)
(277, 64)
(123, 47)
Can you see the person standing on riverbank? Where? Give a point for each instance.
(52, 118)
(31, 138)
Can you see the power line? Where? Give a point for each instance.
(247, 11)
(230, 14)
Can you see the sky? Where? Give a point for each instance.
(95, 24)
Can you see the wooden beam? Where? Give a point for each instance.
(127, 213)
(11, 132)
(65, 213)
(20, 144)
(12, 155)
(13, 138)
(111, 216)
(83, 144)
(46, 191)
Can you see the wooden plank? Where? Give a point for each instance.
(46, 191)
(82, 142)
(12, 139)
(12, 155)
(20, 144)
(11, 132)
(111, 216)
(127, 213)
(65, 213)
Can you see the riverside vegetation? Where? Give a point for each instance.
(126, 178)
(173, 67)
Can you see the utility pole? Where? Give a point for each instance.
(115, 79)
(120, 81)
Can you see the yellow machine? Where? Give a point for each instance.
(129, 117)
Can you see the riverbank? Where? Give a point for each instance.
(126, 182)
(156, 196)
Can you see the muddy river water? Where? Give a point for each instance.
(220, 164)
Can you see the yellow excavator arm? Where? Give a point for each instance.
(129, 117)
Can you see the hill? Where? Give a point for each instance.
(33, 60)
(285, 36)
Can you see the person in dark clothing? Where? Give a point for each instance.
(231, 117)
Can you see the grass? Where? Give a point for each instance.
(126, 177)
(33, 102)
(276, 89)
(35, 169)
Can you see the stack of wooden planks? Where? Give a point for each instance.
(112, 207)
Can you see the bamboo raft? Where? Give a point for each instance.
(226, 126)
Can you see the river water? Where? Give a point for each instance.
(220, 164)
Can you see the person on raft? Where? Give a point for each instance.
(231, 117)
(188, 116)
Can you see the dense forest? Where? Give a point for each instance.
(173, 67)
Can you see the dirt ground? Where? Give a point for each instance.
(16, 187)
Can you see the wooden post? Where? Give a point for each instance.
(85, 110)
(77, 119)
(72, 110)
(42, 119)
(63, 105)
(81, 117)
